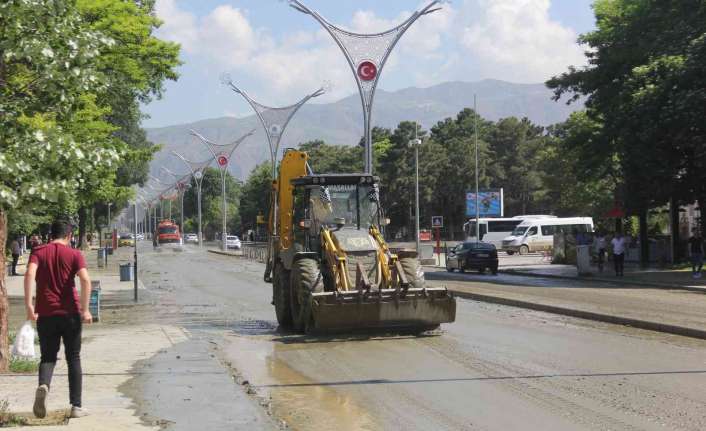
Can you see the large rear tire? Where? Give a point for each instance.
(305, 280)
(413, 271)
(280, 284)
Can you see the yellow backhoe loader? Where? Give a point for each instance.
(329, 265)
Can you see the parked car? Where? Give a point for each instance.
(480, 256)
(191, 237)
(233, 241)
(140, 237)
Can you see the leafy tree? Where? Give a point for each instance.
(255, 197)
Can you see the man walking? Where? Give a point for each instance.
(58, 313)
(619, 244)
(696, 248)
(16, 251)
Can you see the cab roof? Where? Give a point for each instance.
(332, 179)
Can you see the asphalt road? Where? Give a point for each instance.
(495, 368)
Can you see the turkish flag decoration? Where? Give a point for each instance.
(367, 70)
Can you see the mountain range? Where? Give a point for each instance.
(341, 122)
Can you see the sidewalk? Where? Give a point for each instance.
(634, 276)
(110, 350)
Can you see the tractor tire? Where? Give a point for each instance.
(281, 296)
(304, 280)
(413, 271)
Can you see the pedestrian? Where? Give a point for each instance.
(59, 313)
(619, 244)
(599, 247)
(696, 249)
(16, 251)
(34, 241)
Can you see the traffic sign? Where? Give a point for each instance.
(222, 161)
(367, 70)
(437, 221)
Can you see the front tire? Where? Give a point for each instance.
(304, 280)
(281, 296)
(510, 252)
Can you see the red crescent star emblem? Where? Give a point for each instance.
(367, 70)
(222, 160)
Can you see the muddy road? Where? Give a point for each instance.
(496, 368)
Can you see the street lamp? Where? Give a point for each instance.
(222, 155)
(366, 55)
(196, 169)
(181, 184)
(416, 142)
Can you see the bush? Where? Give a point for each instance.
(23, 366)
(7, 418)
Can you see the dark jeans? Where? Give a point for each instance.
(51, 330)
(619, 260)
(697, 262)
(15, 259)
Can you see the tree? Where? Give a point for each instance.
(645, 85)
(256, 195)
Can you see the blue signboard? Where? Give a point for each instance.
(490, 203)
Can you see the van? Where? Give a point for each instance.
(534, 235)
(494, 230)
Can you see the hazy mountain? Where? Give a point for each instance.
(342, 122)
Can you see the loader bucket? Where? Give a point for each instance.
(413, 309)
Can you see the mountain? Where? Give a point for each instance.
(341, 122)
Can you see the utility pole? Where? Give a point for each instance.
(475, 130)
(416, 142)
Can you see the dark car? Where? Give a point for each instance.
(480, 256)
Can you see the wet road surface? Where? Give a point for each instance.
(496, 368)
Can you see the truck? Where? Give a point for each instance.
(330, 267)
(168, 233)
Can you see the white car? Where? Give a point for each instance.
(233, 241)
(191, 237)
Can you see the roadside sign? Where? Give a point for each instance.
(222, 160)
(437, 221)
(367, 70)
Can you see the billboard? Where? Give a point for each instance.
(490, 203)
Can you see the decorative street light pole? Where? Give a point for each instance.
(181, 184)
(416, 142)
(196, 169)
(274, 121)
(222, 155)
(366, 55)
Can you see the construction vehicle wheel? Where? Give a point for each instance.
(305, 280)
(280, 284)
(413, 271)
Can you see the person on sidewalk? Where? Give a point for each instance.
(696, 249)
(16, 251)
(59, 313)
(620, 245)
(599, 247)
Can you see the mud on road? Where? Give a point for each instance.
(496, 368)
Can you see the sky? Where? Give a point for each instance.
(278, 55)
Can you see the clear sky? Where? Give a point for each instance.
(278, 54)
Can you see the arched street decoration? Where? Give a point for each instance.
(196, 169)
(366, 55)
(182, 182)
(222, 154)
(274, 120)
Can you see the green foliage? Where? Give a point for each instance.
(211, 204)
(645, 87)
(23, 366)
(7, 418)
(255, 198)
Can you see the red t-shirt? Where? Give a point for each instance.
(57, 266)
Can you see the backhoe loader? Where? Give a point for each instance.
(330, 267)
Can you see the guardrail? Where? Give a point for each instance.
(255, 251)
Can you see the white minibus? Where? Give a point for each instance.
(538, 234)
(494, 230)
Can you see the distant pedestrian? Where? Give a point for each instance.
(34, 241)
(59, 313)
(599, 247)
(16, 251)
(696, 249)
(620, 245)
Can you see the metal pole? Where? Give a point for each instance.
(134, 268)
(181, 226)
(224, 246)
(416, 165)
(198, 188)
(170, 209)
(475, 129)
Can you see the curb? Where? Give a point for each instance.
(224, 253)
(587, 315)
(605, 280)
